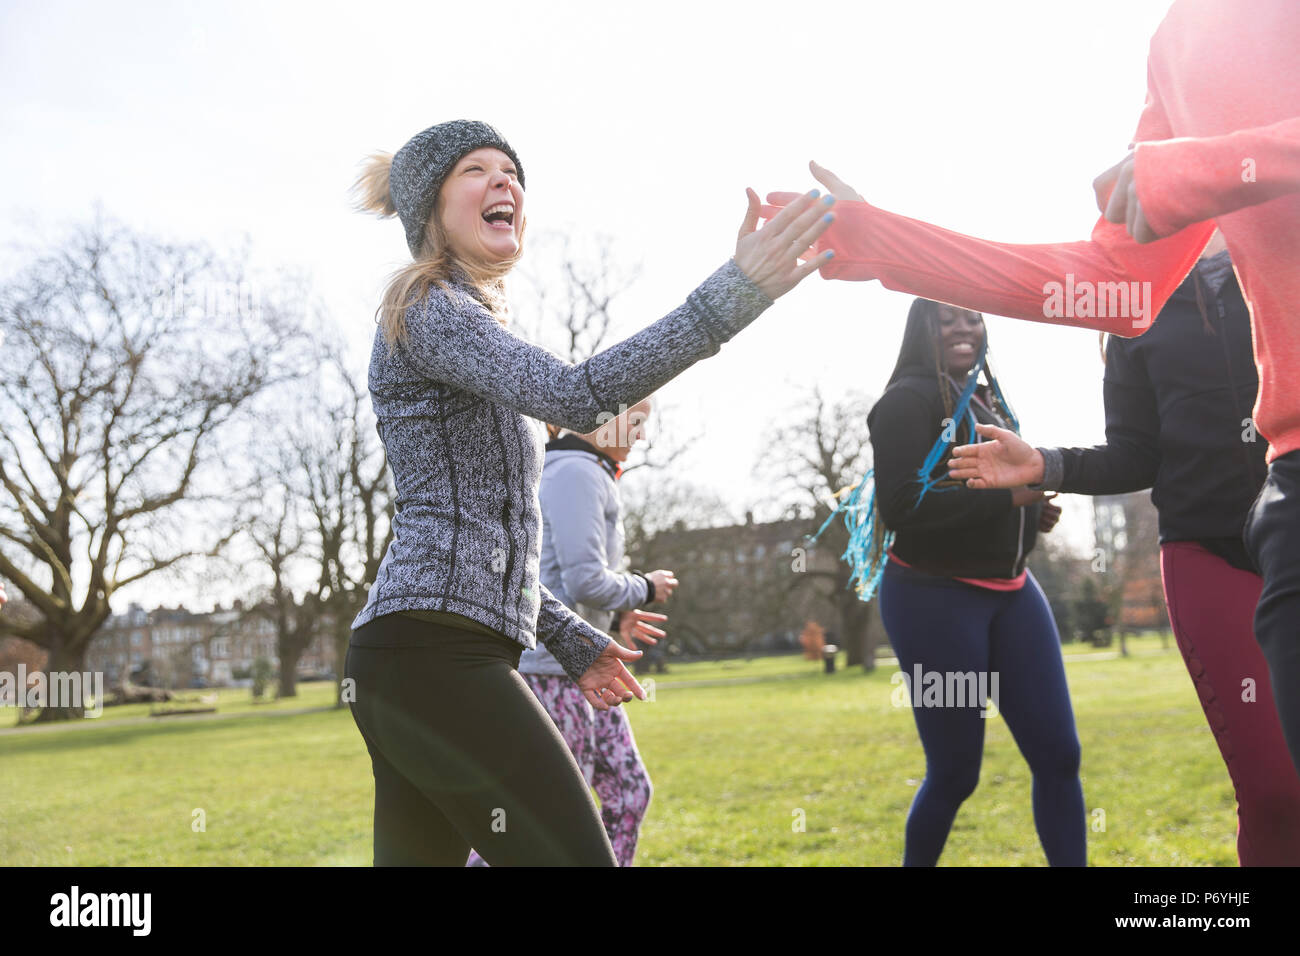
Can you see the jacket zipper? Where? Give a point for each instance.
(1020, 538)
(1020, 542)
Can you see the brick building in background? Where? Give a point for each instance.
(745, 589)
(173, 647)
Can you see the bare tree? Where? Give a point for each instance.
(326, 521)
(281, 543)
(1126, 532)
(568, 306)
(569, 290)
(1134, 590)
(652, 506)
(125, 361)
(352, 503)
(656, 511)
(825, 448)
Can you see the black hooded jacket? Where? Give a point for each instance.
(956, 531)
(1178, 408)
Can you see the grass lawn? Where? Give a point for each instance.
(230, 700)
(734, 766)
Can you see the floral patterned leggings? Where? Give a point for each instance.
(602, 743)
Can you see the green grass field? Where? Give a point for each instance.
(735, 766)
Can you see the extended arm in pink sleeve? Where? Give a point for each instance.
(1016, 280)
(999, 278)
(1191, 179)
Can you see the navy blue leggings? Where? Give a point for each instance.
(952, 629)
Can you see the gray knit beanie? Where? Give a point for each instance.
(423, 163)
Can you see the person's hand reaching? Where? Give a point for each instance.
(607, 682)
(770, 255)
(665, 583)
(1002, 460)
(1117, 198)
(635, 626)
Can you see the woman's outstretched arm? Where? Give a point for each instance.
(1129, 460)
(452, 338)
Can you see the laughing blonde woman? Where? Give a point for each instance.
(463, 754)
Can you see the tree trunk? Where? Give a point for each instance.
(65, 657)
(855, 630)
(853, 642)
(870, 641)
(289, 657)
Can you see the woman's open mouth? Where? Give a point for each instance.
(500, 216)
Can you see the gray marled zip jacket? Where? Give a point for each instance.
(460, 407)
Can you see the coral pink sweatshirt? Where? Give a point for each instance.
(1217, 143)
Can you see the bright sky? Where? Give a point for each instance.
(641, 122)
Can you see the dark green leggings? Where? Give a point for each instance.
(463, 753)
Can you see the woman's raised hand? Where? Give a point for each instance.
(770, 256)
(635, 626)
(607, 683)
(1002, 460)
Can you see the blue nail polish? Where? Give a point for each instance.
(815, 193)
(828, 218)
(830, 253)
(829, 200)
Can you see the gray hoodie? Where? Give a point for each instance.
(582, 546)
(459, 407)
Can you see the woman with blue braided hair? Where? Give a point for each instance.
(966, 618)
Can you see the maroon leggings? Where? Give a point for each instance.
(1212, 607)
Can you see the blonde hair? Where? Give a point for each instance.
(434, 266)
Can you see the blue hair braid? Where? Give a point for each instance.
(868, 539)
(962, 413)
